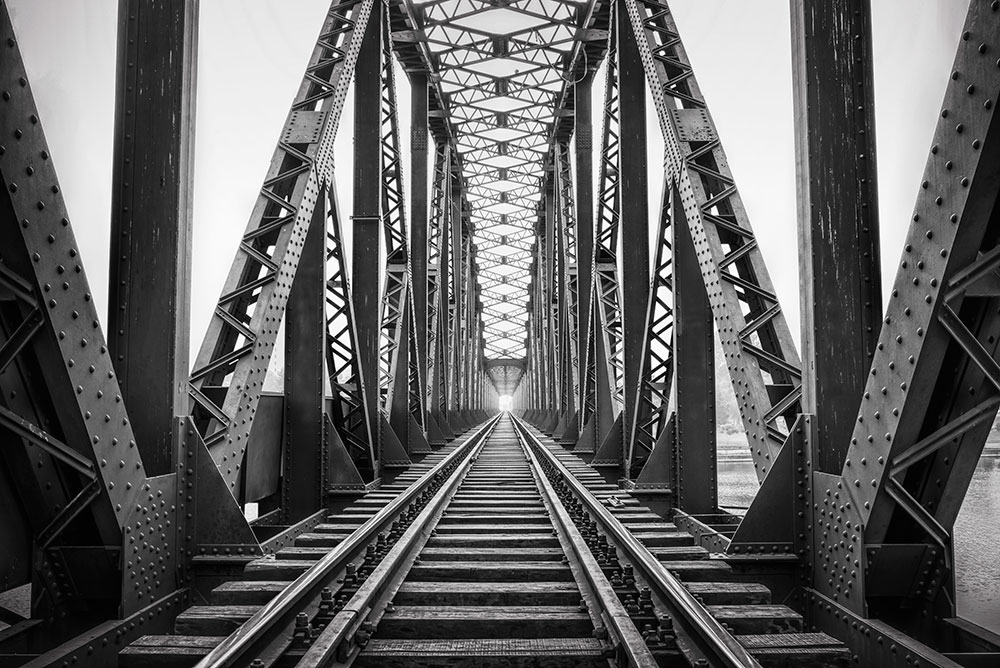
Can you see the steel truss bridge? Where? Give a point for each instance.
(505, 262)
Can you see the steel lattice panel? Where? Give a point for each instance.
(501, 71)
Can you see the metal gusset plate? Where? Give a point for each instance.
(762, 359)
(241, 336)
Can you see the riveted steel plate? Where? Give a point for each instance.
(100, 645)
(304, 127)
(96, 424)
(150, 544)
(693, 125)
(872, 643)
(418, 139)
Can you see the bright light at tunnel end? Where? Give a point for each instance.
(505, 402)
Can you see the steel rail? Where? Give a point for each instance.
(258, 631)
(721, 644)
(612, 609)
(328, 646)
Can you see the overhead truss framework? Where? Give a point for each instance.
(503, 73)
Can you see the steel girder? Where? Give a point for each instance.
(303, 463)
(149, 282)
(673, 438)
(608, 337)
(401, 397)
(370, 237)
(78, 490)
(238, 345)
(603, 384)
(621, 206)
(588, 382)
(877, 538)
(649, 430)
(548, 291)
(456, 234)
(633, 183)
(420, 243)
(551, 334)
(498, 74)
(882, 539)
(436, 277)
(763, 363)
(349, 411)
(567, 282)
(839, 259)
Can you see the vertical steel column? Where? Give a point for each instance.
(538, 321)
(531, 368)
(418, 210)
(367, 209)
(634, 277)
(302, 485)
(462, 314)
(561, 295)
(584, 113)
(763, 360)
(568, 294)
(467, 322)
(443, 357)
(548, 289)
(838, 214)
(150, 269)
(457, 265)
(603, 428)
(694, 363)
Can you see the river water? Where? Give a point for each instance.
(977, 531)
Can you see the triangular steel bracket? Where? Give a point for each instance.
(610, 452)
(392, 453)
(658, 473)
(775, 523)
(341, 473)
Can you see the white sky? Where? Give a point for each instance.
(251, 58)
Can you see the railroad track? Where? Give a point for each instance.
(685, 581)
(499, 552)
